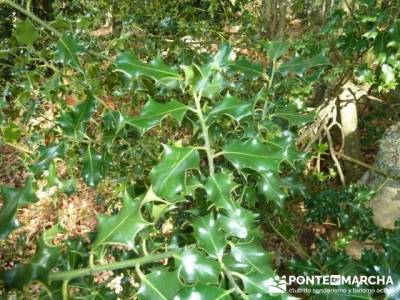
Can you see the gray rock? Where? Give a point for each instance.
(386, 203)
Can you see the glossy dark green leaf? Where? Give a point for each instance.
(209, 237)
(47, 155)
(162, 285)
(205, 292)
(212, 88)
(74, 122)
(293, 117)
(275, 49)
(26, 33)
(299, 65)
(194, 267)
(129, 64)
(67, 51)
(253, 256)
(238, 222)
(93, 167)
(284, 147)
(122, 228)
(218, 189)
(153, 113)
(251, 154)
(270, 185)
(264, 283)
(169, 176)
(38, 267)
(113, 121)
(249, 69)
(232, 107)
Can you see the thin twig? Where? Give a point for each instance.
(367, 166)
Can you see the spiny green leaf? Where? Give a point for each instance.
(153, 113)
(26, 33)
(253, 256)
(218, 189)
(265, 283)
(299, 65)
(121, 228)
(284, 146)
(46, 156)
(251, 154)
(203, 292)
(38, 267)
(232, 107)
(74, 122)
(169, 176)
(67, 51)
(113, 121)
(212, 88)
(12, 199)
(93, 167)
(270, 186)
(209, 237)
(275, 49)
(291, 114)
(249, 69)
(194, 266)
(129, 64)
(238, 222)
(162, 285)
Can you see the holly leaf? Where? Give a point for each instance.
(47, 155)
(194, 266)
(38, 267)
(284, 146)
(231, 106)
(153, 113)
(74, 122)
(214, 87)
(218, 189)
(93, 167)
(251, 154)
(26, 33)
(67, 51)
(265, 283)
(253, 256)
(238, 223)
(203, 292)
(169, 176)
(12, 199)
(293, 117)
(275, 49)
(249, 69)
(270, 186)
(299, 65)
(161, 285)
(121, 229)
(209, 237)
(129, 64)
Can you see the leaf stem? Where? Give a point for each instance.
(33, 17)
(68, 275)
(206, 137)
(295, 246)
(271, 80)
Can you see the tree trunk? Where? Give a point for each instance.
(282, 20)
(349, 122)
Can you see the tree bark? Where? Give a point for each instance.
(349, 122)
